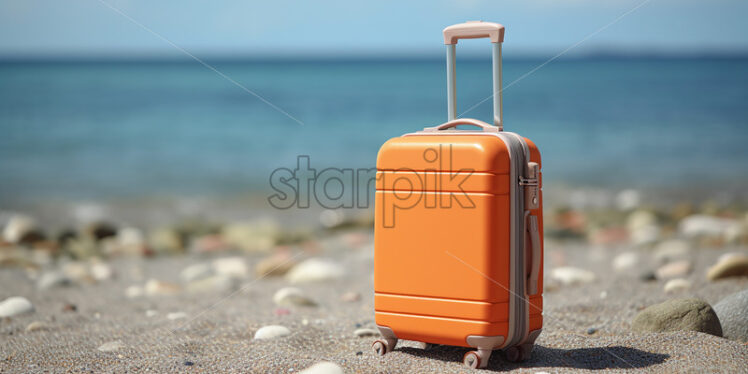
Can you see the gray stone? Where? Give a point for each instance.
(52, 279)
(678, 314)
(733, 315)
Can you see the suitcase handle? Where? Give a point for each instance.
(531, 224)
(463, 121)
(472, 30)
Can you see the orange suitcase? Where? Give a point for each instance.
(458, 230)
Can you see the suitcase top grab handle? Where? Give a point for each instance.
(463, 121)
(472, 30)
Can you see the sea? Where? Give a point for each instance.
(118, 130)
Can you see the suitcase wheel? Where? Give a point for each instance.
(519, 353)
(383, 346)
(472, 359)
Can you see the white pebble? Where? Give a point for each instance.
(151, 313)
(323, 368)
(366, 332)
(176, 315)
(272, 331)
(133, 292)
(36, 326)
(155, 287)
(673, 269)
(292, 296)
(231, 266)
(313, 270)
(216, 283)
(677, 285)
(568, 275)
(625, 261)
(111, 346)
(14, 306)
(195, 272)
(52, 279)
(101, 271)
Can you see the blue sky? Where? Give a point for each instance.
(72, 28)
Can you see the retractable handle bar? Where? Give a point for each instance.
(472, 30)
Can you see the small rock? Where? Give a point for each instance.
(733, 266)
(101, 272)
(14, 306)
(568, 275)
(625, 261)
(643, 227)
(647, 275)
(674, 269)
(195, 272)
(672, 250)
(216, 283)
(176, 315)
(288, 296)
(350, 297)
(68, 307)
(313, 270)
(129, 241)
(167, 240)
(78, 271)
(277, 264)
(111, 346)
(699, 225)
(21, 230)
(133, 292)
(676, 285)
(678, 314)
(591, 330)
(36, 326)
(52, 279)
(323, 368)
(733, 315)
(258, 236)
(101, 230)
(272, 331)
(151, 313)
(188, 363)
(155, 287)
(730, 256)
(231, 266)
(364, 332)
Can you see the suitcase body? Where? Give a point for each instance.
(458, 237)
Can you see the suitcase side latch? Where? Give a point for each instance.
(531, 184)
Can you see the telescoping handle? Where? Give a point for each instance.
(472, 30)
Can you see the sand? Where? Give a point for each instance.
(216, 335)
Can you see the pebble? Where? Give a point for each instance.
(101, 271)
(17, 228)
(672, 250)
(350, 297)
(52, 279)
(231, 266)
(323, 368)
(732, 266)
(176, 315)
(366, 332)
(258, 236)
(288, 296)
(568, 275)
(155, 287)
(647, 275)
(733, 315)
(625, 261)
(36, 326)
(188, 363)
(591, 330)
(678, 314)
(133, 292)
(130, 241)
(14, 306)
(275, 265)
(111, 346)
(673, 269)
(151, 313)
(78, 271)
(166, 240)
(195, 272)
(313, 270)
(699, 225)
(643, 227)
(272, 331)
(216, 283)
(677, 285)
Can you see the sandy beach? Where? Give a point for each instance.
(200, 310)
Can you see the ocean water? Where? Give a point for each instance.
(113, 130)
